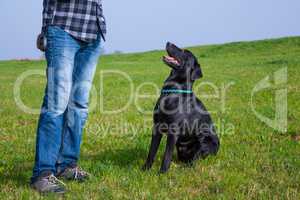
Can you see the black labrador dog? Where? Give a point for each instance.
(181, 115)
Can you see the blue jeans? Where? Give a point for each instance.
(71, 66)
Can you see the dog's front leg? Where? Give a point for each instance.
(171, 142)
(156, 138)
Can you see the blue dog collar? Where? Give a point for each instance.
(176, 91)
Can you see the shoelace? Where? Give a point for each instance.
(79, 172)
(52, 179)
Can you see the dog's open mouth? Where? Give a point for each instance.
(172, 60)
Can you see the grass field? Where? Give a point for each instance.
(254, 162)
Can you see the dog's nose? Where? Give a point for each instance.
(169, 43)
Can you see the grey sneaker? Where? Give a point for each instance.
(48, 184)
(74, 173)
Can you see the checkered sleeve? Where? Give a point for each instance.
(48, 13)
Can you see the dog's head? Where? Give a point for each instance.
(184, 64)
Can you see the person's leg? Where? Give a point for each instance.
(76, 114)
(60, 55)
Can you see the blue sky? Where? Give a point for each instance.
(141, 25)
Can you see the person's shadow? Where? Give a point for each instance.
(19, 173)
(123, 158)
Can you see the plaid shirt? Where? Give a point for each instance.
(83, 19)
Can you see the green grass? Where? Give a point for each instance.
(254, 162)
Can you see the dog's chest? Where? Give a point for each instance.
(171, 108)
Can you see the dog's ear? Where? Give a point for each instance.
(195, 68)
(197, 73)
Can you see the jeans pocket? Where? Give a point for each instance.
(54, 30)
(59, 38)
